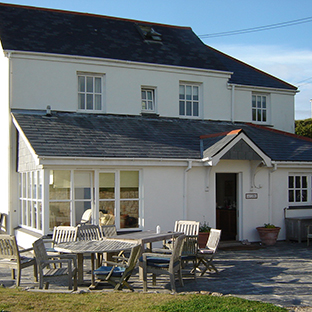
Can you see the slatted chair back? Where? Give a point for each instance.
(68, 266)
(108, 230)
(10, 257)
(214, 239)
(64, 234)
(89, 232)
(187, 227)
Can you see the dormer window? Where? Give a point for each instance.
(148, 99)
(149, 33)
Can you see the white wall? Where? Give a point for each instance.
(53, 81)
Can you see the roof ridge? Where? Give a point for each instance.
(91, 15)
(206, 136)
(297, 136)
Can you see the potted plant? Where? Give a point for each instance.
(204, 230)
(268, 233)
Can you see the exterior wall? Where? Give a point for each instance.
(4, 128)
(53, 81)
(26, 160)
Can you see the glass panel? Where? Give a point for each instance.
(143, 95)
(80, 208)
(24, 185)
(259, 115)
(297, 181)
(98, 104)
(304, 182)
(182, 92)
(34, 186)
(189, 108)
(264, 101)
(107, 209)
(188, 92)
(144, 105)
(291, 196)
(298, 195)
(89, 101)
(81, 101)
(304, 195)
(107, 186)
(89, 84)
(264, 115)
(150, 105)
(259, 101)
(59, 185)
(181, 108)
(195, 94)
(149, 95)
(129, 184)
(254, 114)
(98, 85)
(82, 185)
(291, 182)
(34, 215)
(40, 185)
(40, 215)
(195, 109)
(253, 101)
(129, 213)
(59, 214)
(81, 83)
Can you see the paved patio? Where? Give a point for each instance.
(280, 274)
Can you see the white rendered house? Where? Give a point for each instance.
(143, 124)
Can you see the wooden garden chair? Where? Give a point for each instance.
(47, 273)
(118, 273)
(162, 263)
(11, 257)
(205, 255)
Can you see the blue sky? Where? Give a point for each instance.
(284, 52)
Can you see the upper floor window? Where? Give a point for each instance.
(259, 108)
(189, 100)
(299, 189)
(148, 99)
(89, 92)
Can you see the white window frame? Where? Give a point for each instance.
(146, 101)
(31, 199)
(189, 105)
(297, 188)
(260, 109)
(93, 94)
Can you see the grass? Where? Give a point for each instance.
(15, 299)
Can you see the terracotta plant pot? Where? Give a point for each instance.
(268, 236)
(202, 239)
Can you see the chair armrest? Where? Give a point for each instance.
(115, 263)
(26, 250)
(162, 250)
(62, 257)
(154, 254)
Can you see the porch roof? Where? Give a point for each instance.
(119, 136)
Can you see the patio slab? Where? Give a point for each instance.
(279, 274)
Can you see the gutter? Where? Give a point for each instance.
(185, 187)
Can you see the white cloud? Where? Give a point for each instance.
(291, 65)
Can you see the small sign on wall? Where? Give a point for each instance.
(251, 195)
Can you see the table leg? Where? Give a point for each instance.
(80, 268)
(92, 270)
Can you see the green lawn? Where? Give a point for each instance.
(15, 300)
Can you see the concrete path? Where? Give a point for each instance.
(279, 274)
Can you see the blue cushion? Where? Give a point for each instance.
(103, 271)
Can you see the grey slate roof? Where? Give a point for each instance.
(33, 29)
(88, 135)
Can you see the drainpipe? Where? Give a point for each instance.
(271, 171)
(189, 167)
(232, 102)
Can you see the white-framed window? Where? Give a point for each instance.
(148, 99)
(90, 92)
(260, 108)
(119, 198)
(299, 188)
(31, 188)
(189, 101)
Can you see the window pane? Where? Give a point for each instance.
(291, 196)
(297, 182)
(149, 95)
(89, 84)
(143, 95)
(107, 185)
(253, 101)
(259, 115)
(81, 83)
(189, 108)
(195, 109)
(264, 115)
(98, 104)
(182, 92)
(254, 114)
(106, 213)
(195, 93)
(264, 101)
(259, 101)
(82, 185)
(188, 92)
(89, 101)
(304, 195)
(144, 106)
(291, 182)
(81, 101)
(298, 195)
(181, 108)
(129, 213)
(59, 214)
(129, 184)
(150, 105)
(304, 182)
(98, 85)
(59, 185)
